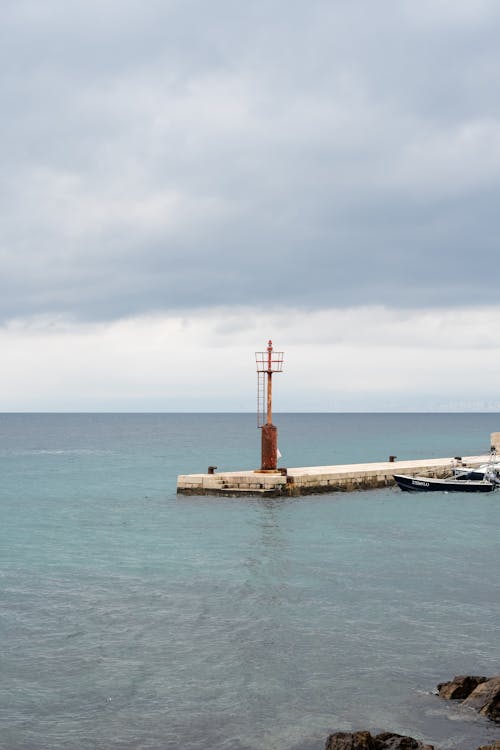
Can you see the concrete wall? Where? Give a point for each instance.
(319, 479)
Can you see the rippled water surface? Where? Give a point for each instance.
(131, 618)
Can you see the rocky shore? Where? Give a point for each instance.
(476, 692)
(480, 693)
(363, 740)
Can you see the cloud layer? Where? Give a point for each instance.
(340, 359)
(169, 156)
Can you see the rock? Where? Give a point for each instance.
(350, 741)
(494, 746)
(391, 741)
(365, 741)
(459, 687)
(486, 699)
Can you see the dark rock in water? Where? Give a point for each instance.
(391, 741)
(486, 699)
(350, 741)
(459, 687)
(494, 746)
(480, 693)
(365, 741)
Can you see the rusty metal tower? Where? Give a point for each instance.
(267, 363)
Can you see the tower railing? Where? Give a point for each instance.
(269, 361)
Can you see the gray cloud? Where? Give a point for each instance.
(175, 155)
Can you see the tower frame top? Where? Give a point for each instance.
(269, 361)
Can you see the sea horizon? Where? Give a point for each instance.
(275, 412)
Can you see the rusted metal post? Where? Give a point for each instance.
(269, 453)
(269, 419)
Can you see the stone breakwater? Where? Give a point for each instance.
(317, 479)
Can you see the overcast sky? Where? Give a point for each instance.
(183, 180)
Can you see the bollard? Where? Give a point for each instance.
(211, 469)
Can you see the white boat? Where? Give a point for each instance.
(489, 471)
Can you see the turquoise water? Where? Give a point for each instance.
(133, 619)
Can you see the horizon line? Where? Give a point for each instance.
(346, 411)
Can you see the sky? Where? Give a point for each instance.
(182, 181)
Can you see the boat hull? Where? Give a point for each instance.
(428, 484)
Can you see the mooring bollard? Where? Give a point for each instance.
(211, 469)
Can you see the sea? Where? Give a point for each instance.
(135, 619)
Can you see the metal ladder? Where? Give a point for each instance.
(261, 397)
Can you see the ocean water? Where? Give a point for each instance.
(131, 618)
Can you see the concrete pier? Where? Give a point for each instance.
(317, 479)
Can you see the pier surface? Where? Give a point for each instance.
(317, 479)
